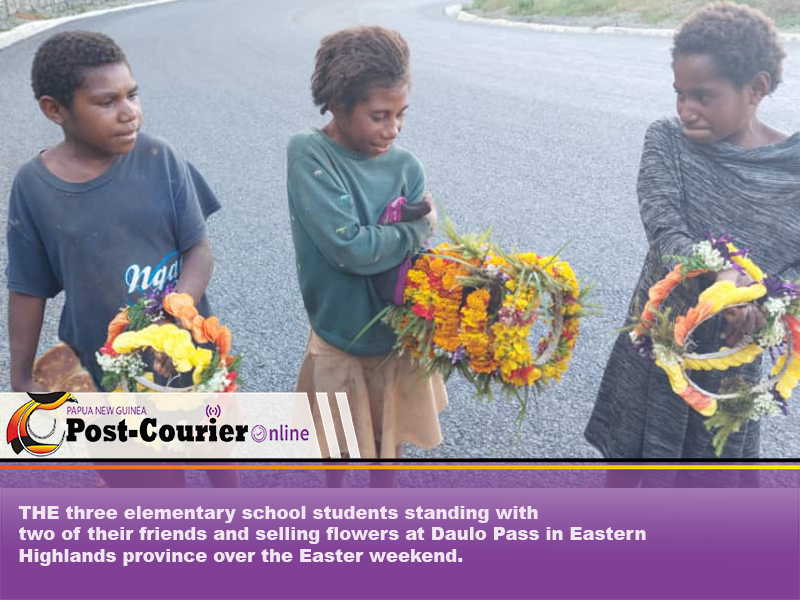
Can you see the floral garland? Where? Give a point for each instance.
(153, 323)
(470, 307)
(667, 341)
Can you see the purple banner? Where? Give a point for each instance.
(415, 543)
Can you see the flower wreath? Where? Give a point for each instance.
(470, 307)
(142, 326)
(668, 342)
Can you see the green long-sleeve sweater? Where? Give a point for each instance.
(336, 197)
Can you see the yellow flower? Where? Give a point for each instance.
(169, 339)
(748, 265)
(725, 293)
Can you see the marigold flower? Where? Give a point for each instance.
(117, 325)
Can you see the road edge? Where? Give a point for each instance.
(7, 38)
(457, 12)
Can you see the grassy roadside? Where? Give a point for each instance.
(55, 11)
(625, 13)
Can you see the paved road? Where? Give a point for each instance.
(536, 134)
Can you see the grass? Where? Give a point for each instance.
(786, 13)
(54, 11)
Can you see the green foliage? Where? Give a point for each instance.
(786, 13)
(110, 381)
(731, 413)
(211, 368)
(137, 316)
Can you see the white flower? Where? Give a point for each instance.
(776, 307)
(710, 256)
(772, 335)
(665, 356)
(217, 383)
(129, 365)
(764, 405)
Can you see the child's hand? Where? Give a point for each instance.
(432, 216)
(739, 320)
(162, 364)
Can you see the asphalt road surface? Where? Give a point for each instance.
(535, 134)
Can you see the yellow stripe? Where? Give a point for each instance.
(213, 467)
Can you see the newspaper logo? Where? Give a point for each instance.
(19, 434)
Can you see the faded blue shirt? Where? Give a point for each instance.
(106, 241)
(336, 197)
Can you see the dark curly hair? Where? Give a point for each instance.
(350, 61)
(60, 64)
(741, 40)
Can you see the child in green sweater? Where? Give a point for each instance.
(340, 180)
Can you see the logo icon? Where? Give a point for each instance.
(213, 411)
(19, 434)
(259, 433)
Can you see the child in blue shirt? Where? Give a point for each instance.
(340, 180)
(105, 215)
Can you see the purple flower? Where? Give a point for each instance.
(155, 299)
(776, 351)
(779, 399)
(780, 287)
(458, 355)
(720, 244)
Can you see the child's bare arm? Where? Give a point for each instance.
(197, 264)
(25, 315)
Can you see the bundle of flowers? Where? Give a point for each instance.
(469, 307)
(168, 323)
(667, 340)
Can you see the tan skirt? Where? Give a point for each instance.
(390, 401)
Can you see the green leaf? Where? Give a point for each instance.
(369, 326)
(110, 381)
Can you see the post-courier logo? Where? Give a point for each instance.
(19, 434)
(22, 438)
(149, 431)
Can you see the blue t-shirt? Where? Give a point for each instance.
(106, 241)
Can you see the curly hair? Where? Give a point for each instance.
(60, 64)
(741, 40)
(350, 61)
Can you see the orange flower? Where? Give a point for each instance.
(198, 330)
(700, 402)
(117, 325)
(223, 341)
(211, 328)
(694, 316)
(181, 306)
(218, 334)
(661, 289)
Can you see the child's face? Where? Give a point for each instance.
(105, 115)
(372, 126)
(711, 108)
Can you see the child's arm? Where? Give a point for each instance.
(329, 216)
(661, 195)
(197, 264)
(25, 315)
